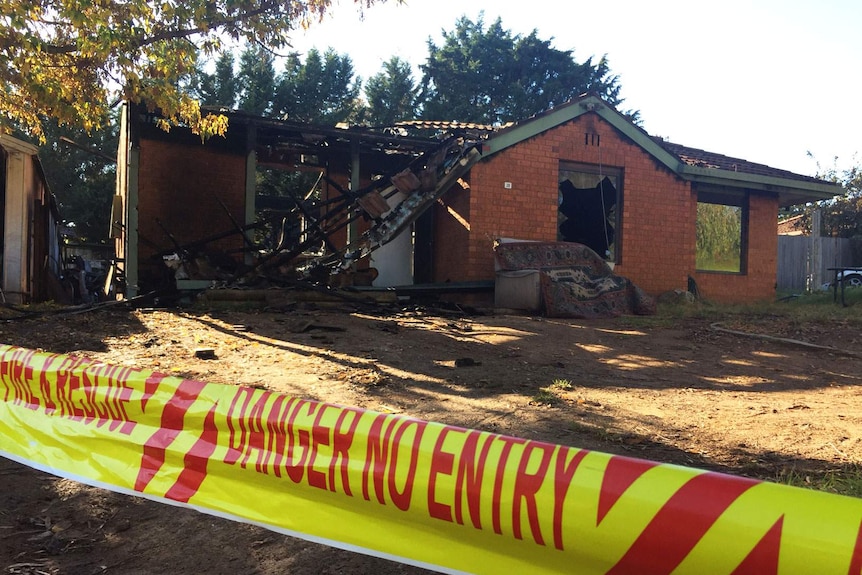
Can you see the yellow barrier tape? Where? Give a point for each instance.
(443, 497)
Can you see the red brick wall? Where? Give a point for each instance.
(657, 240)
(451, 234)
(655, 235)
(658, 227)
(759, 282)
(179, 184)
(525, 211)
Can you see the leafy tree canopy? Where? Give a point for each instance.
(321, 90)
(392, 94)
(487, 75)
(256, 80)
(841, 216)
(81, 174)
(219, 88)
(68, 59)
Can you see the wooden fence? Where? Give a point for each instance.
(801, 268)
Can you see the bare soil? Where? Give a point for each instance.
(671, 390)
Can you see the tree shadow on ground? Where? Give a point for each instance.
(527, 377)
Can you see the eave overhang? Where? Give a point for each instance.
(789, 192)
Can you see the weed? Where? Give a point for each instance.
(545, 396)
(561, 384)
(550, 395)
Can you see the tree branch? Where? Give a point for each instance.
(178, 33)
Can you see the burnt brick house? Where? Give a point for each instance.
(580, 166)
(653, 209)
(175, 193)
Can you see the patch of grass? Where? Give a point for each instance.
(545, 396)
(844, 481)
(646, 321)
(603, 434)
(804, 308)
(561, 384)
(550, 395)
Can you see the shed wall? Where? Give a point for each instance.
(30, 244)
(19, 182)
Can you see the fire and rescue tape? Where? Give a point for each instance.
(441, 497)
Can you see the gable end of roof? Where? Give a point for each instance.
(690, 164)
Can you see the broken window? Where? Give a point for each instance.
(589, 207)
(721, 223)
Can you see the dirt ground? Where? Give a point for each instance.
(660, 388)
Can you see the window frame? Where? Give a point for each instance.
(732, 198)
(617, 175)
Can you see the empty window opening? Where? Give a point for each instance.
(720, 241)
(589, 199)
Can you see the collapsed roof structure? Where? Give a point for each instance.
(455, 188)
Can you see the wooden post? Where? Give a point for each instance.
(815, 271)
(352, 228)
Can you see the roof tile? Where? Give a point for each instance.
(703, 159)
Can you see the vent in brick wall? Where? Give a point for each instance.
(592, 139)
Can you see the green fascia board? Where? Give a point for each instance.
(567, 113)
(530, 128)
(714, 176)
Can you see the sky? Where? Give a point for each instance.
(767, 81)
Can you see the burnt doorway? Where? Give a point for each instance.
(589, 207)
